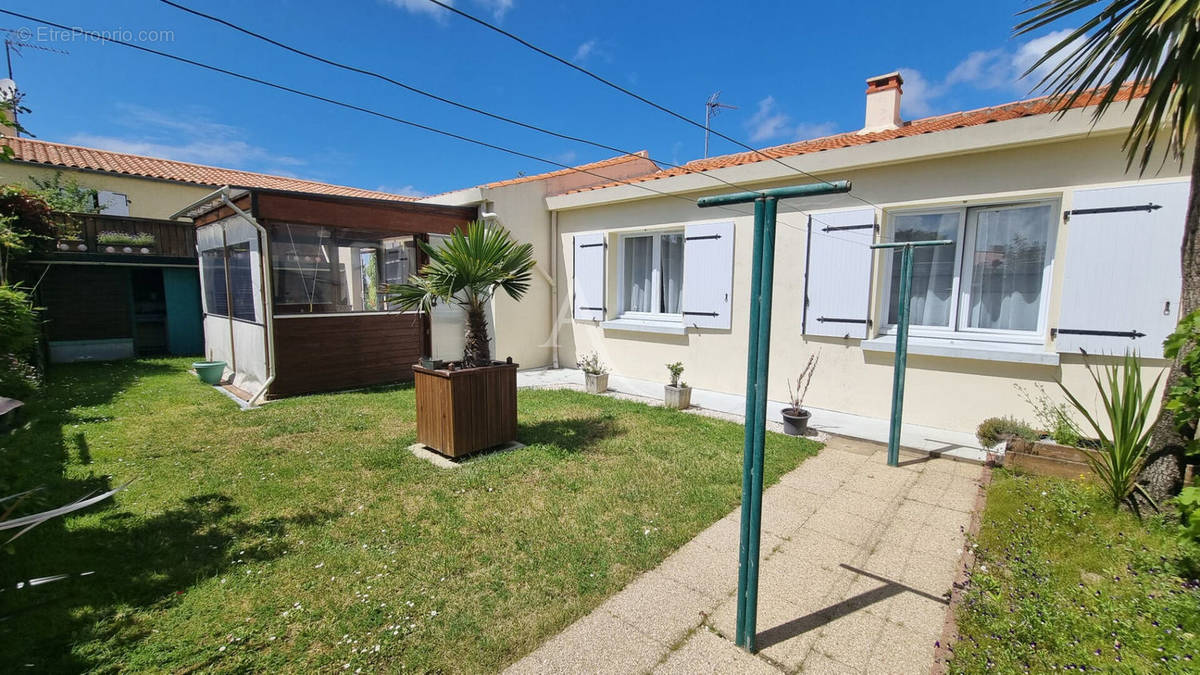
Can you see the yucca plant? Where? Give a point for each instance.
(1123, 446)
(466, 270)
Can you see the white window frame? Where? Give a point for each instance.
(655, 278)
(957, 327)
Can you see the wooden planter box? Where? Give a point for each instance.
(464, 411)
(1047, 458)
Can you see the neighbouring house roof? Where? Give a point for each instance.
(970, 118)
(67, 156)
(640, 156)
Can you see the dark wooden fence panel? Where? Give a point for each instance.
(326, 353)
(85, 302)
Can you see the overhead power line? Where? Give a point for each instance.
(628, 92)
(458, 104)
(437, 97)
(355, 107)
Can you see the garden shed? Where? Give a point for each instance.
(292, 288)
(118, 287)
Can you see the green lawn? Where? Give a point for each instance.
(1064, 583)
(304, 535)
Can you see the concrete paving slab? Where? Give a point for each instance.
(597, 643)
(901, 651)
(849, 639)
(819, 663)
(712, 572)
(706, 653)
(660, 607)
(854, 584)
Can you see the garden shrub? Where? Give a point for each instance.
(1189, 510)
(18, 339)
(996, 429)
(1052, 417)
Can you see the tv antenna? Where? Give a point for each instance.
(16, 40)
(711, 108)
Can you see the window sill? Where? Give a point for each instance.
(646, 326)
(1010, 352)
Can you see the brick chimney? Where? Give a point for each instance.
(883, 102)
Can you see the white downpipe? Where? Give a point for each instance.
(554, 287)
(264, 257)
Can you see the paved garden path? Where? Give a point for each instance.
(859, 559)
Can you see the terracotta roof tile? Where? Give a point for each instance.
(956, 120)
(604, 163)
(92, 159)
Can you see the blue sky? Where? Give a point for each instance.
(794, 69)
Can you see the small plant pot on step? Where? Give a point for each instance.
(596, 384)
(209, 372)
(677, 397)
(795, 422)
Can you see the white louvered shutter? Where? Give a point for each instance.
(589, 277)
(708, 275)
(1121, 278)
(112, 203)
(838, 279)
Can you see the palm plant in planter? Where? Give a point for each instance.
(595, 373)
(795, 417)
(469, 405)
(678, 394)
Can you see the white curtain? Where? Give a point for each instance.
(672, 272)
(933, 268)
(1007, 266)
(638, 272)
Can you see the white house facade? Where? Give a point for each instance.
(1057, 248)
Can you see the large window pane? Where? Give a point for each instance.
(1007, 266)
(638, 274)
(934, 268)
(241, 282)
(212, 269)
(323, 270)
(671, 280)
(399, 260)
(304, 269)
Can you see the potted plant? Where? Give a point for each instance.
(114, 242)
(595, 373)
(209, 372)
(677, 394)
(143, 242)
(468, 405)
(795, 417)
(70, 238)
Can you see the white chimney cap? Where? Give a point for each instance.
(883, 102)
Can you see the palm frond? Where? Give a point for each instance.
(1148, 44)
(467, 268)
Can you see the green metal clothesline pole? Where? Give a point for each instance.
(901, 361)
(757, 369)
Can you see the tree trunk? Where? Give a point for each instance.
(1162, 477)
(476, 352)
